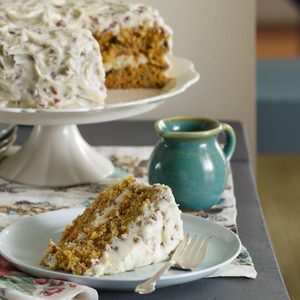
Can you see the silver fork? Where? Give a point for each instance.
(187, 256)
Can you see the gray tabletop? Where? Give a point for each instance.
(251, 227)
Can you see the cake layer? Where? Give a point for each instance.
(143, 76)
(128, 225)
(50, 68)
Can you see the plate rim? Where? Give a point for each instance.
(164, 279)
(7, 131)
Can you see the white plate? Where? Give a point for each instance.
(24, 242)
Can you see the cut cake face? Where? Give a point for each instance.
(129, 225)
(135, 44)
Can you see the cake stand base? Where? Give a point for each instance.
(56, 156)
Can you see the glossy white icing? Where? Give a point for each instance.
(44, 68)
(97, 15)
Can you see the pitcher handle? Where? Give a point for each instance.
(230, 141)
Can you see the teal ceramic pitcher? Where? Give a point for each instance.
(190, 160)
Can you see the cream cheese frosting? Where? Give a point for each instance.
(112, 16)
(42, 67)
(96, 15)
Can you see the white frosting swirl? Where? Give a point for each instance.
(42, 67)
(96, 15)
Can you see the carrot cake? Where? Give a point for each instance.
(127, 226)
(134, 40)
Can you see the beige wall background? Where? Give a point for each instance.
(219, 37)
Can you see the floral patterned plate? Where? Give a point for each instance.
(24, 242)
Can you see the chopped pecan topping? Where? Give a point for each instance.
(136, 240)
(61, 23)
(53, 90)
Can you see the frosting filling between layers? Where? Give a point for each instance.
(123, 61)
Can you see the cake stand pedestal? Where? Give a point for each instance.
(56, 155)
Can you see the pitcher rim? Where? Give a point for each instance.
(188, 134)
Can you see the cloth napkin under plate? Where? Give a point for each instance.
(18, 201)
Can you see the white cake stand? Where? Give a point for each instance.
(57, 155)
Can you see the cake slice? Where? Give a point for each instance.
(43, 67)
(127, 226)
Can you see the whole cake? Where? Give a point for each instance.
(127, 226)
(134, 40)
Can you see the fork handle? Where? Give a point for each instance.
(149, 285)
